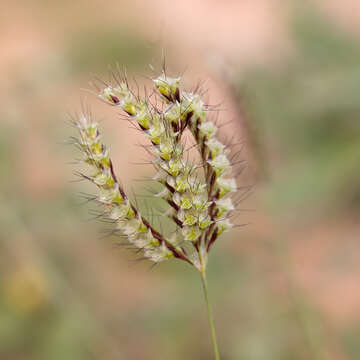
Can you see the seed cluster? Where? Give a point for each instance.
(198, 205)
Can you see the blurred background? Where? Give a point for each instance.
(284, 287)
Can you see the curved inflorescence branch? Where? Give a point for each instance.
(217, 168)
(215, 208)
(197, 204)
(117, 206)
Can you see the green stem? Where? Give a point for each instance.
(210, 314)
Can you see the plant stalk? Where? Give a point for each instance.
(210, 315)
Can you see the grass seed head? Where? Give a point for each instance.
(197, 202)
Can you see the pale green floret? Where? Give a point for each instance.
(102, 158)
(223, 225)
(173, 113)
(95, 148)
(224, 206)
(215, 147)
(129, 106)
(130, 226)
(167, 86)
(190, 200)
(155, 132)
(178, 150)
(120, 211)
(104, 178)
(221, 164)
(111, 93)
(108, 94)
(190, 219)
(121, 96)
(175, 165)
(88, 142)
(186, 202)
(143, 118)
(226, 185)
(207, 129)
(159, 253)
(163, 164)
(204, 220)
(166, 149)
(193, 103)
(181, 184)
(145, 241)
(108, 196)
(91, 131)
(191, 233)
(200, 201)
(143, 228)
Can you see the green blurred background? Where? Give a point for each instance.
(286, 286)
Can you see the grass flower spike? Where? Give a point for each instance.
(197, 196)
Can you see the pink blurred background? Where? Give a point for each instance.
(283, 287)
